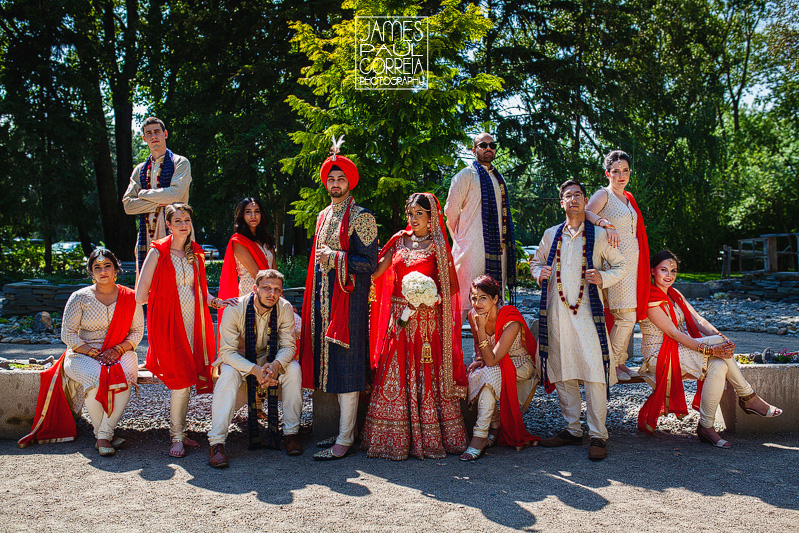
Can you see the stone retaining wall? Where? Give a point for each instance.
(760, 286)
(30, 298)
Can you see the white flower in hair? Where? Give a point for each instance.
(336, 148)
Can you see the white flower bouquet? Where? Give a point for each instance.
(419, 290)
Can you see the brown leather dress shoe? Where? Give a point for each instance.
(564, 438)
(597, 450)
(293, 446)
(216, 457)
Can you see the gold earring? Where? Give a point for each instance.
(94, 280)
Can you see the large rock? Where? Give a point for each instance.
(777, 384)
(19, 390)
(694, 290)
(42, 322)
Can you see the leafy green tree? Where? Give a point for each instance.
(400, 140)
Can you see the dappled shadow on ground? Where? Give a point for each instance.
(499, 484)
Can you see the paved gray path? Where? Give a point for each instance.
(662, 483)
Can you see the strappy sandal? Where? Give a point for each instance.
(492, 439)
(175, 451)
(472, 454)
(771, 413)
(721, 443)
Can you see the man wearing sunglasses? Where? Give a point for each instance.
(479, 220)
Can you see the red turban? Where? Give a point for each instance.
(347, 167)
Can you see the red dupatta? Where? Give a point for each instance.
(229, 280)
(643, 280)
(512, 431)
(338, 330)
(453, 370)
(176, 360)
(669, 395)
(53, 421)
(112, 377)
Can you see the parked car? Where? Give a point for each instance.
(530, 250)
(67, 247)
(210, 251)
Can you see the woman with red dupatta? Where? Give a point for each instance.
(101, 327)
(503, 371)
(179, 328)
(250, 249)
(617, 211)
(418, 371)
(679, 344)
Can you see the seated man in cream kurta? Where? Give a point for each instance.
(480, 223)
(573, 343)
(162, 179)
(234, 367)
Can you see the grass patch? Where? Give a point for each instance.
(700, 277)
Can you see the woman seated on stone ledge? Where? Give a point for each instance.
(679, 344)
(101, 327)
(499, 331)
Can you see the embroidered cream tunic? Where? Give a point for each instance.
(86, 321)
(691, 363)
(623, 295)
(491, 376)
(574, 348)
(465, 222)
(246, 281)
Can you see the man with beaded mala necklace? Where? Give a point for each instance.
(479, 221)
(573, 338)
(162, 179)
(257, 344)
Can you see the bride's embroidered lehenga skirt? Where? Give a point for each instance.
(408, 414)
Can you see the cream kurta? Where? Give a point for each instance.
(246, 281)
(152, 201)
(692, 363)
(231, 336)
(86, 321)
(465, 222)
(491, 376)
(624, 294)
(574, 348)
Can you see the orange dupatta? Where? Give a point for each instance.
(669, 394)
(176, 360)
(512, 431)
(229, 279)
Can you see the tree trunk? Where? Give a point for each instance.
(110, 208)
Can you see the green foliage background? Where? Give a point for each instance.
(702, 93)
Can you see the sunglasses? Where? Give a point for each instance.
(485, 145)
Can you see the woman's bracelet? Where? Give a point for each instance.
(93, 352)
(214, 303)
(119, 349)
(704, 349)
(483, 344)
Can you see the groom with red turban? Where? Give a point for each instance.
(334, 347)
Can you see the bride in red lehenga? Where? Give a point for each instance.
(418, 370)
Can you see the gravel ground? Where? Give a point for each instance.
(666, 482)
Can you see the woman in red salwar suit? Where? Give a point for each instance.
(418, 370)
